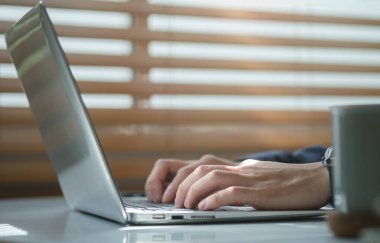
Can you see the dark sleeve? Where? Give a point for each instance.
(301, 156)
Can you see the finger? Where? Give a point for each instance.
(213, 181)
(171, 190)
(234, 195)
(157, 179)
(198, 173)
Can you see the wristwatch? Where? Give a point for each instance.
(327, 163)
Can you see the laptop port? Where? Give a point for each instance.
(158, 216)
(177, 217)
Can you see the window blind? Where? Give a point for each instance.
(171, 78)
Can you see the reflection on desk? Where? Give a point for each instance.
(50, 219)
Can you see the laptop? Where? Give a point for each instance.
(72, 144)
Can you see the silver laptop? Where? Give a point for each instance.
(72, 144)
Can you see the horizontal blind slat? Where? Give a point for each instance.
(181, 138)
(22, 116)
(141, 35)
(42, 170)
(139, 7)
(144, 88)
(156, 62)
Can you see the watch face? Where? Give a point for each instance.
(328, 153)
(327, 157)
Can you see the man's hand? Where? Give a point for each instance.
(167, 174)
(212, 182)
(264, 185)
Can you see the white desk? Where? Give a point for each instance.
(50, 220)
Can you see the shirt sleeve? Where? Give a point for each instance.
(305, 155)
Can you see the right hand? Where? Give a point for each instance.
(167, 174)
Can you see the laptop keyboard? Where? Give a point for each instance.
(145, 205)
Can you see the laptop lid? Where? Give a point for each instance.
(62, 118)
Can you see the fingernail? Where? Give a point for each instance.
(186, 204)
(202, 205)
(164, 197)
(178, 204)
(166, 194)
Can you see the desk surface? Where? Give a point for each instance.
(50, 219)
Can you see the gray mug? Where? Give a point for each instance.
(356, 142)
